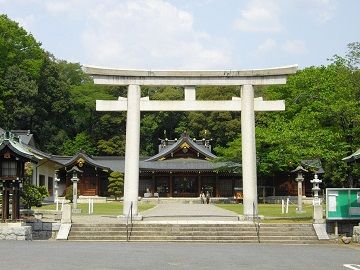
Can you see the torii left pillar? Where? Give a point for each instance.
(132, 150)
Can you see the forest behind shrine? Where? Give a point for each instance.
(55, 100)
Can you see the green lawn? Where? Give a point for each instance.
(273, 212)
(109, 208)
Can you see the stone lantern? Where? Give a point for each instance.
(318, 212)
(75, 171)
(299, 179)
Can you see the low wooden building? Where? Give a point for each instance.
(182, 168)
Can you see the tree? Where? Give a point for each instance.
(321, 121)
(19, 90)
(113, 147)
(32, 195)
(81, 142)
(19, 48)
(116, 184)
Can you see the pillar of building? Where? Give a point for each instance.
(248, 151)
(132, 148)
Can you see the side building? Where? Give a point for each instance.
(182, 168)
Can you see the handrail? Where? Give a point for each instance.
(130, 214)
(256, 222)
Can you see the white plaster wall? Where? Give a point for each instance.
(46, 168)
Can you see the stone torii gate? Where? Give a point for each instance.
(134, 103)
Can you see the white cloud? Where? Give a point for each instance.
(321, 10)
(149, 34)
(260, 16)
(57, 6)
(268, 45)
(295, 47)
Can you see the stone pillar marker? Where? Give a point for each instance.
(299, 179)
(133, 104)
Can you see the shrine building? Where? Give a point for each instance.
(182, 168)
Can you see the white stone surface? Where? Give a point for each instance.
(223, 77)
(190, 105)
(189, 93)
(263, 72)
(66, 214)
(320, 230)
(132, 147)
(248, 151)
(318, 214)
(299, 201)
(356, 233)
(63, 232)
(15, 231)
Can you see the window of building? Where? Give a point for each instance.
(8, 168)
(50, 185)
(41, 180)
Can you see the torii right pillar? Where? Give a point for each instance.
(248, 151)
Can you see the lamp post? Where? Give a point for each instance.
(318, 215)
(75, 171)
(299, 179)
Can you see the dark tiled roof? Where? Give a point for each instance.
(180, 164)
(12, 142)
(171, 148)
(116, 163)
(24, 135)
(103, 162)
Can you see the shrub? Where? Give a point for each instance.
(116, 184)
(32, 195)
(69, 193)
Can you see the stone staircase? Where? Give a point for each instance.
(227, 233)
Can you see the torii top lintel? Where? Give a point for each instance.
(267, 76)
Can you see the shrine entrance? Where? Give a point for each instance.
(134, 104)
(185, 186)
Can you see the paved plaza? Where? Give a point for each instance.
(56, 255)
(170, 212)
(181, 211)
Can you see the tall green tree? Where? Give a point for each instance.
(116, 184)
(81, 142)
(321, 121)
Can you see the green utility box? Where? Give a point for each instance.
(342, 203)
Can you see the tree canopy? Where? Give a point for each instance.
(56, 101)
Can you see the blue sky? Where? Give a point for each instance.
(190, 34)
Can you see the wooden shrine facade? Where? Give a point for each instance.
(185, 168)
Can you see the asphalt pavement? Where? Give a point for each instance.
(56, 255)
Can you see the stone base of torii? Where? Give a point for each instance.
(134, 104)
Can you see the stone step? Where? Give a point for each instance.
(249, 239)
(227, 233)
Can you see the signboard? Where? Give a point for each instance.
(342, 203)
